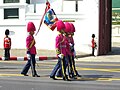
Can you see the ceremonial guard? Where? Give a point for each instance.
(71, 54)
(7, 45)
(69, 49)
(94, 45)
(68, 63)
(61, 51)
(31, 51)
(74, 72)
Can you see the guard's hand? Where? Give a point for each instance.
(71, 44)
(28, 56)
(61, 56)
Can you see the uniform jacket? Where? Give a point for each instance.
(68, 45)
(61, 45)
(30, 39)
(93, 43)
(7, 42)
(71, 41)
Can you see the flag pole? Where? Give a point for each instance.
(46, 9)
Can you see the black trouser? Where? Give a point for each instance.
(60, 68)
(72, 68)
(93, 50)
(30, 63)
(7, 53)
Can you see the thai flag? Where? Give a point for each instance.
(50, 19)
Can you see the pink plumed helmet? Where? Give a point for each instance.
(72, 28)
(67, 27)
(30, 27)
(60, 25)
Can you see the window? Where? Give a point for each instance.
(28, 1)
(11, 13)
(11, 1)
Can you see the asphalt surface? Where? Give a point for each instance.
(95, 76)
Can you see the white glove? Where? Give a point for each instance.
(28, 56)
(61, 56)
(70, 44)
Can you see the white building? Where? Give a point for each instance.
(14, 15)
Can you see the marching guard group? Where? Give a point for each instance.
(65, 52)
(64, 46)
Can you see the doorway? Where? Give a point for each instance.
(116, 27)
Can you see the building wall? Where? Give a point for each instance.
(86, 23)
(115, 3)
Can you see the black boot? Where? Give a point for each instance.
(36, 75)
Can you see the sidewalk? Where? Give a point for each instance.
(113, 56)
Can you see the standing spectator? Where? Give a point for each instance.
(31, 51)
(7, 45)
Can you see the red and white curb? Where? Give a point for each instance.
(13, 58)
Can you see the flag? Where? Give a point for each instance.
(50, 19)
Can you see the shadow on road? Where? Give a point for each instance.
(93, 77)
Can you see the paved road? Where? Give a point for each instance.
(95, 76)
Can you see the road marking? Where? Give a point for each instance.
(99, 69)
(108, 79)
(93, 79)
(99, 64)
(11, 75)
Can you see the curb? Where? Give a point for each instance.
(25, 58)
(40, 58)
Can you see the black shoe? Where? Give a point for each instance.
(79, 75)
(36, 75)
(53, 77)
(66, 79)
(24, 74)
